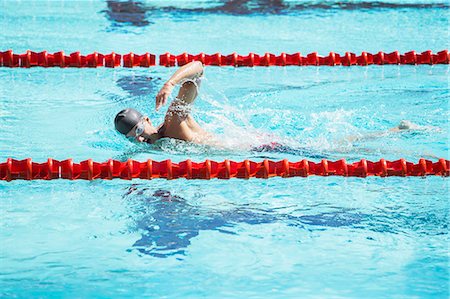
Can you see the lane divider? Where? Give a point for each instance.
(311, 59)
(89, 170)
(60, 59)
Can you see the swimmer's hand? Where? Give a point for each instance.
(163, 94)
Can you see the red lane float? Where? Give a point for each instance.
(311, 59)
(60, 59)
(112, 169)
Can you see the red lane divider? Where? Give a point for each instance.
(90, 170)
(268, 59)
(60, 59)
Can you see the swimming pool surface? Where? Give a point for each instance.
(315, 237)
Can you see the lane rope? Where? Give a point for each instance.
(26, 169)
(76, 59)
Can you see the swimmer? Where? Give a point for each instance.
(178, 122)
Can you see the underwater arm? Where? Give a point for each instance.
(185, 75)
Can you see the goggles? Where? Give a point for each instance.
(140, 127)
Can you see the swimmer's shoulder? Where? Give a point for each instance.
(177, 130)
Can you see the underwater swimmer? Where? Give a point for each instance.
(178, 122)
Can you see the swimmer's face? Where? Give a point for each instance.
(149, 134)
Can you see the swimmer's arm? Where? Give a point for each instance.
(188, 91)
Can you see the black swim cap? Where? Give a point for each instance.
(126, 119)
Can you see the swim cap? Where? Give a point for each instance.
(126, 119)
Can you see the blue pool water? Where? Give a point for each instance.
(315, 237)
